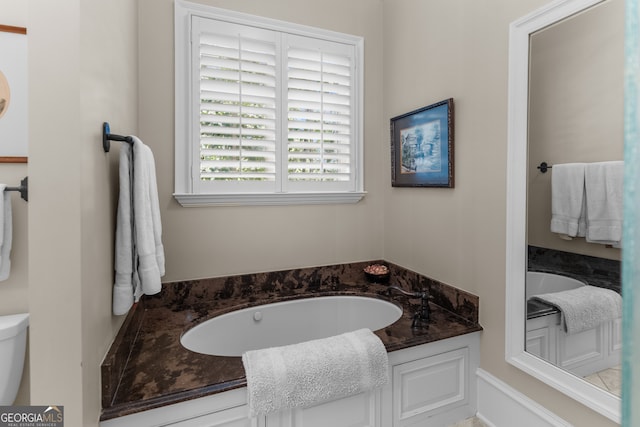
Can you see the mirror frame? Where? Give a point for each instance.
(520, 30)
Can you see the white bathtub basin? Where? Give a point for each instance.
(543, 283)
(288, 322)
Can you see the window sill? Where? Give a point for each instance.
(269, 199)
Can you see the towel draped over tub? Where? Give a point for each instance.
(302, 375)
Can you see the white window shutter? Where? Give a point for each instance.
(320, 106)
(236, 86)
(267, 112)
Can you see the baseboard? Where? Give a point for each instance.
(499, 405)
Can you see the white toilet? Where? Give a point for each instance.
(13, 344)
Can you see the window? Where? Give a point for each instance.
(267, 112)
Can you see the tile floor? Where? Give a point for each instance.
(470, 422)
(609, 379)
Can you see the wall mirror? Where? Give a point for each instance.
(551, 100)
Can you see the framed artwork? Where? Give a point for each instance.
(422, 147)
(13, 94)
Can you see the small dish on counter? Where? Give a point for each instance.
(377, 273)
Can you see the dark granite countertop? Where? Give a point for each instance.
(147, 367)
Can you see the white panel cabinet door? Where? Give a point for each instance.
(227, 409)
(541, 337)
(361, 410)
(425, 387)
(233, 417)
(541, 342)
(616, 337)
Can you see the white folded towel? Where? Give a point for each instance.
(147, 224)
(6, 232)
(302, 375)
(568, 199)
(603, 184)
(139, 253)
(125, 264)
(585, 307)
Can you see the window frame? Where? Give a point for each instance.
(184, 192)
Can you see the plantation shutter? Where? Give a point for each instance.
(236, 79)
(320, 103)
(271, 113)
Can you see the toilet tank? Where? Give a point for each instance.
(13, 344)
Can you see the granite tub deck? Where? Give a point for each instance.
(604, 273)
(147, 367)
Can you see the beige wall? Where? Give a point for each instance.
(92, 61)
(82, 71)
(435, 50)
(576, 109)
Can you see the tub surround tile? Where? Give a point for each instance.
(595, 271)
(147, 367)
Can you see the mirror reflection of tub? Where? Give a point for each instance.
(593, 354)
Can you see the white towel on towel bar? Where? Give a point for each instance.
(139, 253)
(302, 375)
(148, 227)
(603, 183)
(6, 232)
(568, 206)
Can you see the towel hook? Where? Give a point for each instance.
(23, 189)
(107, 136)
(544, 167)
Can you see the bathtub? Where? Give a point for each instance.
(583, 353)
(543, 283)
(288, 322)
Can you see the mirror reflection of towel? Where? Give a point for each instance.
(586, 201)
(603, 186)
(568, 207)
(585, 307)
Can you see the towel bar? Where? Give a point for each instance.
(107, 136)
(23, 189)
(543, 167)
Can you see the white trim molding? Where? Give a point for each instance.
(278, 199)
(499, 405)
